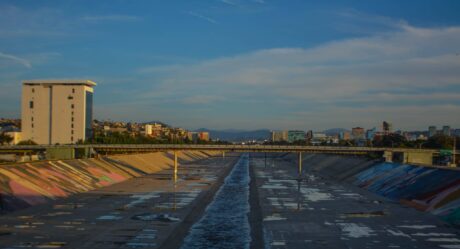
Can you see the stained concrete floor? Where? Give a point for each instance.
(125, 215)
(323, 213)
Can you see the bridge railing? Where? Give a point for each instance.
(233, 147)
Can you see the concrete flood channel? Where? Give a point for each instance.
(257, 203)
(322, 212)
(225, 222)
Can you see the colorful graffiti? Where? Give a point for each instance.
(28, 184)
(435, 190)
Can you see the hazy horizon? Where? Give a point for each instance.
(247, 64)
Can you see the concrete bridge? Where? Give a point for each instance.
(403, 155)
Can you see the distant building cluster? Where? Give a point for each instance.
(61, 112)
(358, 135)
(154, 130)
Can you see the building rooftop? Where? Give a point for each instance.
(59, 82)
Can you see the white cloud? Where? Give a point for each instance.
(26, 63)
(229, 2)
(202, 17)
(110, 18)
(36, 22)
(201, 99)
(399, 69)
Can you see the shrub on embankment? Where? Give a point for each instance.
(430, 189)
(27, 184)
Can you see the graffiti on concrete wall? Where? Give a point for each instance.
(428, 189)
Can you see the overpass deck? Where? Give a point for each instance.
(235, 148)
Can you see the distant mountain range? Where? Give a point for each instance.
(232, 135)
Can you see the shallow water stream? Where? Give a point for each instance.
(225, 222)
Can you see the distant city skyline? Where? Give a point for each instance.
(243, 64)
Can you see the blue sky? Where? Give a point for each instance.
(243, 64)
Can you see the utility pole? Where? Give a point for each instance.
(175, 167)
(300, 165)
(453, 153)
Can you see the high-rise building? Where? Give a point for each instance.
(358, 133)
(148, 129)
(432, 131)
(344, 135)
(370, 134)
(279, 136)
(57, 111)
(192, 136)
(318, 138)
(387, 127)
(309, 135)
(296, 136)
(203, 135)
(446, 130)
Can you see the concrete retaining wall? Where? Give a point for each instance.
(429, 189)
(27, 184)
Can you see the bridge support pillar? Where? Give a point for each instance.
(265, 159)
(300, 164)
(175, 166)
(388, 155)
(419, 158)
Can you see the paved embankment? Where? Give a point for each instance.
(143, 212)
(431, 189)
(27, 184)
(330, 212)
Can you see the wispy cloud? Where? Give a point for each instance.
(26, 63)
(38, 22)
(202, 17)
(121, 18)
(354, 21)
(397, 70)
(201, 99)
(229, 2)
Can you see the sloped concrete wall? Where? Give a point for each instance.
(429, 189)
(27, 184)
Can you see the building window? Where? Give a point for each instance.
(72, 106)
(31, 105)
(70, 97)
(71, 132)
(32, 125)
(32, 119)
(71, 125)
(73, 90)
(72, 118)
(33, 90)
(71, 139)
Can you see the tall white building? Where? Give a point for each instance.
(148, 129)
(57, 111)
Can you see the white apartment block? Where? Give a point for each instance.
(57, 111)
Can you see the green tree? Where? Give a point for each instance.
(439, 142)
(27, 142)
(5, 139)
(391, 140)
